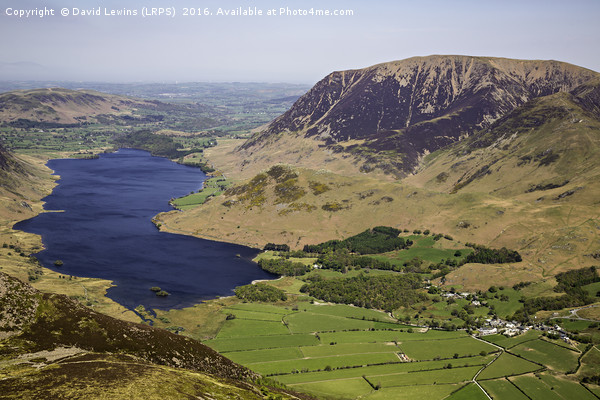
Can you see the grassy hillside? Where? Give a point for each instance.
(52, 346)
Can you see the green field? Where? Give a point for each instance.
(413, 392)
(325, 350)
(263, 342)
(388, 336)
(248, 327)
(342, 389)
(321, 363)
(427, 249)
(535, 388)
(212, 187)
(306, 322)
(451, 375)
(507, 365)
(567, 389)
(254, 356)
(346, 352)
(555, 357)
(469, 392)
(502, 389)
(431, 349)
(508, 342)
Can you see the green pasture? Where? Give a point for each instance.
(431, 349)
(554, 357)
(320, 363)
(254, 315)
(388, 336)
(509, 342)
(590, 363)
(325, 350)
(470, 392)
(507, 365)
(265, 355)
(502, 389)
(382, 370)
(413, 392)
(260, 307)
(567, 389)
(248, 327)
(450, 375)
(306, 322)
(261, 342)
(341, 310)
(342, 389)
(504, 309)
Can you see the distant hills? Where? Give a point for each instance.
(389, 116)
(57, 106)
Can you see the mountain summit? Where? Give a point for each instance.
(389, 115)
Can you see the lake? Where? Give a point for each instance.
(105, 231)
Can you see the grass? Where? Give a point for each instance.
(430, 349)
(342, 310)
(247, 327)
(469, 392)
(376, 370)
(343, 389)
(509, 342)
(592, 288)
(590, 363)
(320, 363)
(264, 342)
(567, 389)
(507, 365)
(254, 315)
(387, 336)
(502, 389)
(555, 357)
(413, 392)
(325, 349)
(306, 322)
(535, 388)
(253, 356)
(452, 375)
(505, 309)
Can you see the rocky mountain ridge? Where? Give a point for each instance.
(390, 115)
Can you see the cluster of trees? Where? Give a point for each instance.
(157, 145)
(380, 239)
(486, 255)
(283, 267)
(572, 280)
(342, 260)
(276, 247)
(570, 283)
(379, 292)
(260, 292)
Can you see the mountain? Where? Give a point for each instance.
(389, 116)
(549, 144)
(527, 177)
(55, 107)
(53, 347)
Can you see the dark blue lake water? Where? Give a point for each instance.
(106, 232)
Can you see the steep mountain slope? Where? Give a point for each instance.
(48, 340)
(548, 146)
(22, 179)
(390, 115)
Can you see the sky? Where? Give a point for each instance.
(279, 48)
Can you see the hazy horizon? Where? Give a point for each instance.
(279, 48)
